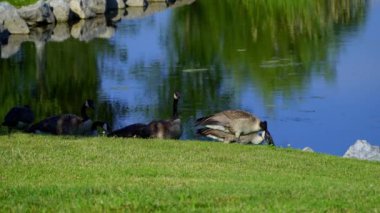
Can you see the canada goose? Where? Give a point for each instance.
(254, 138)
(19, 117)
(104, 126)
(235, 122)
(137, 130)
(168, 129)
(66, 124)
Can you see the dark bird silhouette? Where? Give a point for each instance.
(137, 130)
(19, 117)
(66, 124)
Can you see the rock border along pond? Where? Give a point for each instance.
(58, 20)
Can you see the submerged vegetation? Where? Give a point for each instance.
(50, 173)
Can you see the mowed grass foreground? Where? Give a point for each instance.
(48, 173)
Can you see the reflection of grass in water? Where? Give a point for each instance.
(243, 36)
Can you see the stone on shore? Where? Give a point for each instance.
(37, 13)
(307, 149)
(363, 150)
(11, 20)
(61, 9)
(82, 9)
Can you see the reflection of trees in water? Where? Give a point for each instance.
(274, 45)
(66, 75)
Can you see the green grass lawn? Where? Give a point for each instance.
(47, 173)
(20, 3)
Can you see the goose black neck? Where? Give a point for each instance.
(84, 113)
(175, 108)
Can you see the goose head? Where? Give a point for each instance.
(176, 95)
(89, 104)
(264, 125)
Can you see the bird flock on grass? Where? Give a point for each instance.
(229, 126)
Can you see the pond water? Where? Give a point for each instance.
(310, 68)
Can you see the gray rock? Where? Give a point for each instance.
(10, 19)
(363, 150)
(307, 149)
(136, 3)
(98, 6)
(86, 30)
(39, 12)
(61, 9)
(88, 9)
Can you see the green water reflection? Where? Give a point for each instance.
(275, 47)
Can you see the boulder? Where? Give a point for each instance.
(88, 9)
(82, 9)
(307, 149)
(136, 3)
(11, 21)
(98, 6)
(61, 9)
(363, 150)
(37, 13)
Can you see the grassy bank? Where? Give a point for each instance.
(20, 3)
(51, 173)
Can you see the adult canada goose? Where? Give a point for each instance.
(260, 137)
(66, 124)
(19, 117)
(168, 129)
(235, 122)
(137, 130)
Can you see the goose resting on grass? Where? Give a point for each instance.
(66, 124)
(232, 125)
(19, 117)
(168, 129)
(260, 137)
